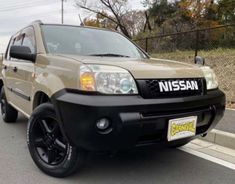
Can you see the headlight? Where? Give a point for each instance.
(107, 80)
(211, 79)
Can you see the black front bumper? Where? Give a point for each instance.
(135, 121)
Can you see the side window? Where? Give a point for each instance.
(15, 40)
(7, 55)
(26, 38)
(18, 40)
(29, 39)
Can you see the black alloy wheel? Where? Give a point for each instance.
(48, 141)
(49, 148)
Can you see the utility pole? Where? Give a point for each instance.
(62, 11)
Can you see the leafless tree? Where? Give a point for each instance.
(115, 11)
(134, 21)
(147, 22)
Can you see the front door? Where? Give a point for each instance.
(20, 75)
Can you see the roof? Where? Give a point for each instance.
(39, 22)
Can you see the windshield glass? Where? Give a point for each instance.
(88, 42)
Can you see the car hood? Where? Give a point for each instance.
(145, 68)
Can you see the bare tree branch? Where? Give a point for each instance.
(97, 12)
(147, 23)
(115, 7)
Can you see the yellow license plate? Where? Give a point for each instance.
(182, 128)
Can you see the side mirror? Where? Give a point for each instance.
(22, 52)
(199, 60)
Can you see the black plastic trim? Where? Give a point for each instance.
(133, 118)
(25, 97)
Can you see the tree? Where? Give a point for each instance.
(99, 21)
(200, 13)
(115, 11)
(211, 11)
(134, 22)
(226, 11)
(147, 22)
(160, 10)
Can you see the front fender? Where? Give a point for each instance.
(48, 83)
(54, 73)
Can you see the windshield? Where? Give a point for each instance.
(88, 42)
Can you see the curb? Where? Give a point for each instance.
(221, 138)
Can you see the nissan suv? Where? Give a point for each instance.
(88, 89)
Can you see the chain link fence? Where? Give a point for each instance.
(216, 45)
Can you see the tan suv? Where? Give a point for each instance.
(87, 89)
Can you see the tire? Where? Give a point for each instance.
(9, 113)
(49, 149)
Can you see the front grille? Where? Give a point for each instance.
(151, 89)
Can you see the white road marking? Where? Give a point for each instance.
(208, 157)
(230, 109)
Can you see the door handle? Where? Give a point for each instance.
(15, 69)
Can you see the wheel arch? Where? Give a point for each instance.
(39, 98)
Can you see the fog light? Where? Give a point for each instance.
(103, 124)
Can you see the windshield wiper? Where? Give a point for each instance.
(109, 55)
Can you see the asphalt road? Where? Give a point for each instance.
(227, 124)
(152, 165)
